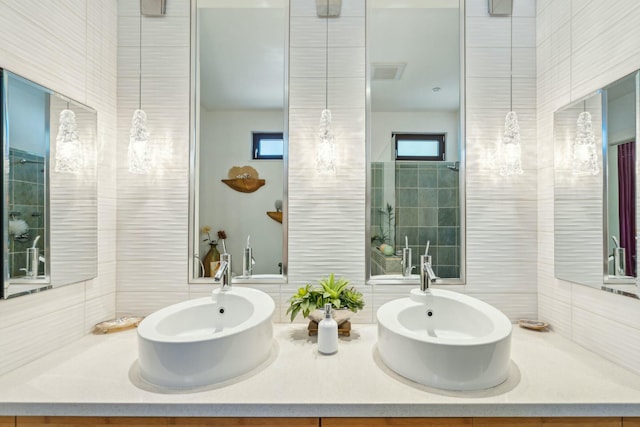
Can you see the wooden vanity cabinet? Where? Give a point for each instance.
(474, 422)
(318, 422)
(396, 422)
(507, 422)
(164, 421)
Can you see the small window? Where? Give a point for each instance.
(267, 145)
(420, 146)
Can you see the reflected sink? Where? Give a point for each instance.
(445, 340)
(206, 340)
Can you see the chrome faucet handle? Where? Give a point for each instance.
(224, 272)
(222, 269)
(427, 276)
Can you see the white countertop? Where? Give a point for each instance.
(550, 376)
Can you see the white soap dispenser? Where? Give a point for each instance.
(327, 332)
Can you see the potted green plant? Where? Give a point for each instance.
(310, 298)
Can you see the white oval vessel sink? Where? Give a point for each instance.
(465, 344)
(206, 340)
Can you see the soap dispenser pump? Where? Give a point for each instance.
(327, 332)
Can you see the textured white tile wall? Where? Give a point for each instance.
(327, 214)
(581, 46)
(152, 210)
(501, 211)
(79, 62)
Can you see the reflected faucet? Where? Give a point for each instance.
(406, 258)
(33, 259)
(224, 271)
(427, 276)
(619, 259)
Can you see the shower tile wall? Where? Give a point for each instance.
(428, 209)
(377, 197)
(26, 202)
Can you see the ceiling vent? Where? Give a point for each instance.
(153, 7)
(500, 7)
(387, 70)
(328, 8)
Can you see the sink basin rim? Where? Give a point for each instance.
(147, 329)
(386, 316)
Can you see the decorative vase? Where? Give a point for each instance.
(212, 256)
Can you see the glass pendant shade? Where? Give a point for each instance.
(584, 153)
(510, 150)
(69, 157)
(139, 156)
(326, 159)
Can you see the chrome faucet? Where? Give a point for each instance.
(406, 262)
(224, 271)
(407, 268)
(427, 276)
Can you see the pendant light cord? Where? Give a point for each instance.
(140, 64)
(511, 62)
(326, 61)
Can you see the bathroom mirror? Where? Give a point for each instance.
(415, 139)
(239, 138)
(595, 188)
(578, 196)
(49, 208)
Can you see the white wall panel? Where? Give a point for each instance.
(615, 341)
(79, 62)
(152, 210)
(326, 212)
(97, 310)
(145, 303)
(501, 211)
(582, 46)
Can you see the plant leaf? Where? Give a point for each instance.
(294, 313)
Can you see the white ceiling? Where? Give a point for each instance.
(427, 40)
(241, 58)
(622, 87)
(242, 54)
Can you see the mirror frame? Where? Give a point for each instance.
(606, 278)
(414, 279)
(194, 112)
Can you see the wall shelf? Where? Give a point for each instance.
(244, 185)
(276, 216)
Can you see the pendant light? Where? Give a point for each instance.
(139, 153)
(326, 156)
(510, 151)
(69, 158)
(584, 153)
